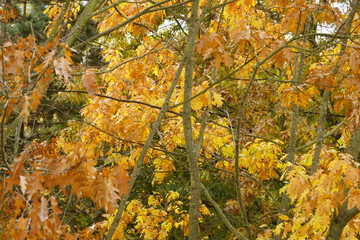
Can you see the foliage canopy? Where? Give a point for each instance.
(174, 119)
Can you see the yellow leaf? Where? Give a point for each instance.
(172, 196)
(196, 105)
(162, 234)
(278, 229)
(119, 232)
(152, 201)
(284, 217)
(217, 99)
(204, 210)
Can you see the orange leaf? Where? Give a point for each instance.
(53, 42)
(227, 60)
(55, 210)
(89, 81)
(122, 179)
(36, 97)
(68, 56)
(25, 109)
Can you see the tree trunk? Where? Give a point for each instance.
(81, 22)
(339, 221)
(354, 145)
(320, 132)
(195, 183)
(285, 201)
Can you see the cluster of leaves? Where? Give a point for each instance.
(267, 85)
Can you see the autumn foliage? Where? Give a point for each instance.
(179, 119)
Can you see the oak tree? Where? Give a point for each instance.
(170, 119)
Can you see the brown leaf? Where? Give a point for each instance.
(19, 58)
(62, 68)
(122, 178)
(23, 183)
(89, 81)
(49, 57)
(227, 59)
(35, 97)
(354, 61)
(35, 181)
(25, 109)
(55, 210)
(43, 213)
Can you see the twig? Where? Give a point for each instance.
(116, 99)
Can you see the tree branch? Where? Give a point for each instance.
(116, 99)
(222, 215)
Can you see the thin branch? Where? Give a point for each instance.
(222, 4)
(200, 138)
(107, 8)
(81, 22)
(124, 62)
(331, 133)
(116, 99)
(4, 161)
(283, 81)
(246, 175)
(222, 215)
(116, 137)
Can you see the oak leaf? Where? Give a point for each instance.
(49, 57)
(122, 179)
(23, 183)
(43, 213)
(68, 56)
(89, 81)
(25, 109)
(35, 97)
(62, 68)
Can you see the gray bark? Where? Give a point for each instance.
(339, 221)
(285, 201)
(191, 149)
(354, 145)
(326, 94)
(320, 132)
(81, 22)
(239, 197)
